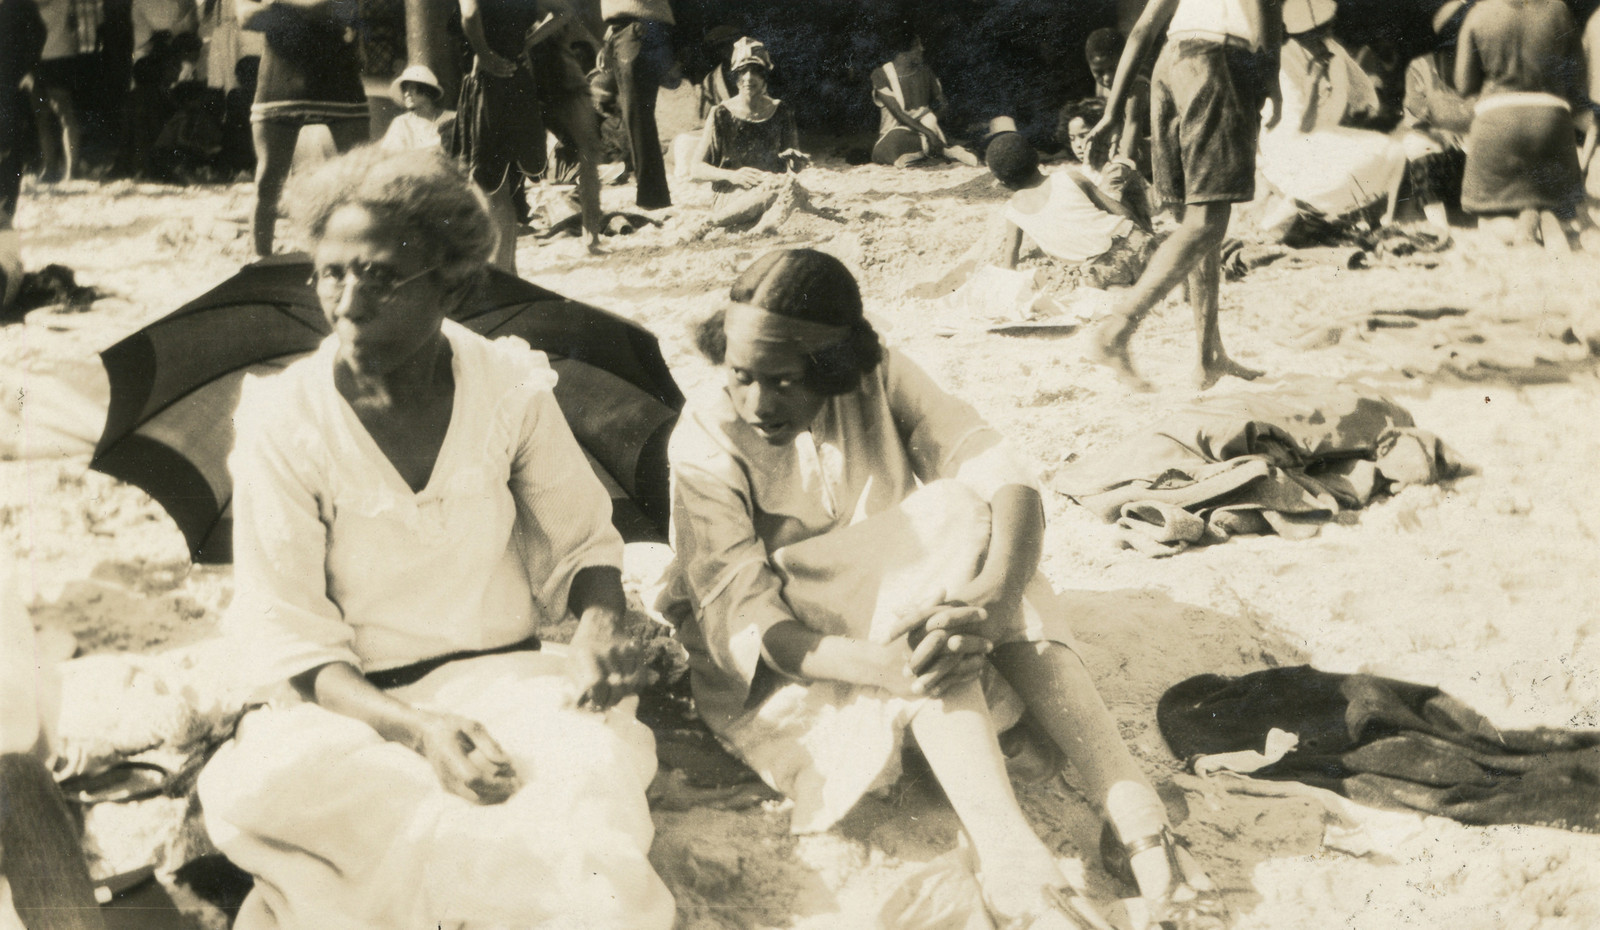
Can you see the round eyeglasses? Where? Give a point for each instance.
(381, 282)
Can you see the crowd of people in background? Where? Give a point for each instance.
(177, 92)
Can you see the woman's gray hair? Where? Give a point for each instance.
(418, 193)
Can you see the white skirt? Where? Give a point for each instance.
(825, 745)
(342, 829)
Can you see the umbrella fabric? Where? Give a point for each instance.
(175, 384)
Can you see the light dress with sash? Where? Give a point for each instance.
(338, 560)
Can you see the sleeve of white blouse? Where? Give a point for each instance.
(946, 437)
(722, 560)
(280, 611)
(563, 510)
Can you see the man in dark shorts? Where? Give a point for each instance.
(525, 79)
(1219, 64)
(310, 74)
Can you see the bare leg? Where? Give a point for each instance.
(1554, 233)
(1526, 230)
(1200, 232)
(1058, 691)
(582, 126)
(66, 112)
(1205, 292)
(274, 157)
(1438, 215)
(957, 737)
(504, 216)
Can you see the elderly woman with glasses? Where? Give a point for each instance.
(410, 507)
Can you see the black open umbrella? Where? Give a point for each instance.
(175, 384)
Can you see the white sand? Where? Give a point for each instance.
(1486, 587)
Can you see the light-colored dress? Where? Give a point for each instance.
(1312, 158)
(739, 505)
(410, 131)
(338, 560)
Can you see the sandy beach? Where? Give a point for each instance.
(1485, 586)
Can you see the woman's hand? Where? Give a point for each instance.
(606, 663)
(607, 672)
(748, 177)
(943, 660)
(465, 757)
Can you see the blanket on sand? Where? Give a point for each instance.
(1389, 744)
(1282, 461)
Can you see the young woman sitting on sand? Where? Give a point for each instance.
(409, 508)
(857, 560)
(749, 151)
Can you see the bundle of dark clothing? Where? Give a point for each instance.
(1282, 462)
(1390, 744)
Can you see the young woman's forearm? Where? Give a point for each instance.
(1016, 540)
(802, 652)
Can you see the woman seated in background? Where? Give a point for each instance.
(909, 98)
(1523, 60)
(1316, 156)
(749, 151)
(410, 507)
(425, 124)
(857, 562)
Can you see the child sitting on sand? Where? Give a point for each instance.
(1077, 216)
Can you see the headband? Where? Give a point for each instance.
(749, 323)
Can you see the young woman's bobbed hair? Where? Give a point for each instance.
(806, 285)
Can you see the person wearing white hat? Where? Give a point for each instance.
(1315, 156)
(425, 124)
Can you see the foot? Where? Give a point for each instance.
(1025, 899)
(1209, 374)
(1109, 347)
(1179, 894)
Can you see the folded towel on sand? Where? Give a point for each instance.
(1283, 460)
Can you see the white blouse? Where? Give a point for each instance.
(338, 560)
(736, 499)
